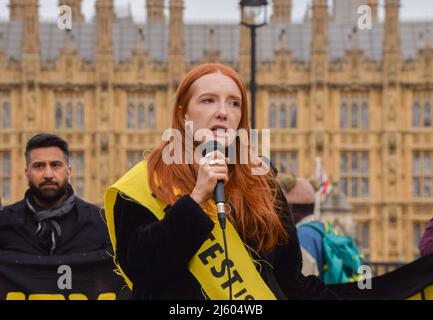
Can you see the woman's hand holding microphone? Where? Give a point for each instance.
(212, 167)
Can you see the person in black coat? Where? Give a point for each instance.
(154, 254)
(51, 220)
(164, 253)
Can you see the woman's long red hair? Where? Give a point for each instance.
(254, 197)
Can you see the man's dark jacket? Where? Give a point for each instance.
(83, 230)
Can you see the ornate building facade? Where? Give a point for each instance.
(359, 99)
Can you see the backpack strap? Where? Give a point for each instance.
(315, 227)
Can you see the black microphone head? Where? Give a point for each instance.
(211, 146)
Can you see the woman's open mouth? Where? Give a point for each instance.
(218, 130)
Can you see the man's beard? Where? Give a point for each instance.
(48, 195)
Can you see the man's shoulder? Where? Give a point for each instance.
(84, 205)
(93, 218)
(17, 206)
(12, 213)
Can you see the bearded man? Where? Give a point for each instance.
(51, 219)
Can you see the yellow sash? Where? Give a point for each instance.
(208, 264)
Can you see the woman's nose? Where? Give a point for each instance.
(222, 110)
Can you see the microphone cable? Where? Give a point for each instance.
(222, 221)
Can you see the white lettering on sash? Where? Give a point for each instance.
(210, 256)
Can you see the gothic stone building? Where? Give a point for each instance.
(359, 99)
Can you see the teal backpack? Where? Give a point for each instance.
(340, 254)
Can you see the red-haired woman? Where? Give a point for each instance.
(162, 219)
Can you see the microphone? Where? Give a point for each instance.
(218, 193)
(219, 198)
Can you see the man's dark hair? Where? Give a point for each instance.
(46, 140)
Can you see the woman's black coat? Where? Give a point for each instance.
(154, 254)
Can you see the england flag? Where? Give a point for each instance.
(325, 184)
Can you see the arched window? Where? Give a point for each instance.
(80, 116)
(427, 163)
(365, 242)
(427, 187)
(80, 169)
(354, 164)
(293, 163)
(272, 116)
(131, 159)
(273, 158)
(130, 120)
(6, 172)
(364, 165)
(364, 115)
(415, 115)
(364, 187)
(6, 192)
(343, 116)
(293, 115)
(59, 115)
(416, 187)
(6, 164)
(69, 115)
(141, 116)
(416, 163)
(77, 164)
(80, 187)
(80, 163)
(354, 115)
(364, 172)
(343, 186)
(343, 163)
(416, 173)
(417, 232)
(427, 115)
(283, 116)
(354, 187)
(151, 117)
(6, 115)
(134, 157)
(283, 163)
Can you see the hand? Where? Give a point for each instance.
(208, 176)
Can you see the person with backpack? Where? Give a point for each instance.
(300, 196)
(335, 258)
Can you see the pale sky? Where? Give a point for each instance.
(219, 10)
